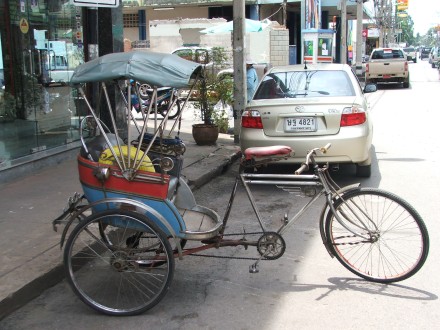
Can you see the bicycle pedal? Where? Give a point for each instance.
(253, 269)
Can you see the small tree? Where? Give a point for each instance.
(213, 89)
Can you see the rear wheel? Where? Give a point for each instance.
(383, 238)
(119, 262)
(143, 91)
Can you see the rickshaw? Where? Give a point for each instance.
(137, 213)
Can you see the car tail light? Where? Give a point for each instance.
(353, 116)
(406, 66)
(367, 67)
(251, 119)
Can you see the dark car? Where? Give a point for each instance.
(424, 52)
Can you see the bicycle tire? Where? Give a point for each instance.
(174, 111)
(401, 241)
(124, 272)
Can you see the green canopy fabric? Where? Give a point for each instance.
(156, 69)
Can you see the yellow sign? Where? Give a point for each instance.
(24, 25)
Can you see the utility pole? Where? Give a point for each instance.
(344, 31)
(239, 66)
(359, 38)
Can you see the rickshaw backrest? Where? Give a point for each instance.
(94, 147)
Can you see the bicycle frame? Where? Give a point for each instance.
(307, 183)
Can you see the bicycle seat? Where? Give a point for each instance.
(259, 153)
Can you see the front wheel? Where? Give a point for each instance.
(119, 262)
(382, 238)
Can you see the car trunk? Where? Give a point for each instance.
(307, 117)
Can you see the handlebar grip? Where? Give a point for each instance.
(304, 167)
(325, 149)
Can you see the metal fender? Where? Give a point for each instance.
(156, 216)
(184, 197)
(326, 209)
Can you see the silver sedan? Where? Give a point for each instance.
(308, 106)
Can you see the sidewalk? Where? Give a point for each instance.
(31, 259)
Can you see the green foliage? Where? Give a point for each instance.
(7, 106)
(213, 89)
(407, 26)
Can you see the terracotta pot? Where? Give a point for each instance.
(205, 134)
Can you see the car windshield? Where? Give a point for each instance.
(314, 83)
(409, 49)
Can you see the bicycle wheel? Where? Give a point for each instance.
(119, 262)
(384, 239)
(174, 111)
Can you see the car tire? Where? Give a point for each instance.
(433, 65)
(406, 83)
(363, 171)
(415, 60)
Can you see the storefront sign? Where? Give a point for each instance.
(96, 3)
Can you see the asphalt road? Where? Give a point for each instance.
(305, 289)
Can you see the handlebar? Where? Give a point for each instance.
(309, 158)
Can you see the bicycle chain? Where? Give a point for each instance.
(226, 257)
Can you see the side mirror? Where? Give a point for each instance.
(370, 88)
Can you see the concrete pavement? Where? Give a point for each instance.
(31, 258)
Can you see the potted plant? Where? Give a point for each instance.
(214, 93)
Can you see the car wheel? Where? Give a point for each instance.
(363, 171)
(406, 84)
(433, 65)
(415, 60)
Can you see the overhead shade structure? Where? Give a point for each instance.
(156, 69)
(250, 26)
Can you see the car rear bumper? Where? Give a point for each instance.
(351, 145)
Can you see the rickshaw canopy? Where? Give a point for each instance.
(156, 69)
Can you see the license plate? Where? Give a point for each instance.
(386, 76)
(300, 124)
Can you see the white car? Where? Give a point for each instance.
(305, 106)
(411, 53)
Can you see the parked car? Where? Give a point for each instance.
(387, 65)
(434, 56)
(411, 53)
(424, 52)
(201, 55)
(307, 106)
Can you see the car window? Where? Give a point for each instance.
(186, 54)
(384, 54)
(409, 49)
(314, 83)
(202, 56)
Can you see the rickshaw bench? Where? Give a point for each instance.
(145, 184)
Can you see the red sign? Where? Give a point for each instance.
(365, 33)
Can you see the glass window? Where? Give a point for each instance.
(39, 48)
(384, 54)
(313, 83)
